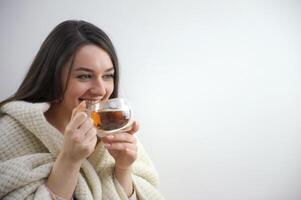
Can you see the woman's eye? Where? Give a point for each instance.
(84, 76)
(108, 76)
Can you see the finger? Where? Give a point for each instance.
(86, 125)
(78, 108)
(120, 137)
(78, 120)
(93, 140)
(131, 152)
(135, 128)
(90, 143)
(91, 134)
(121, 146)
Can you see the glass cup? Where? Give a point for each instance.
(112, 116)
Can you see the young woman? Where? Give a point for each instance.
(48, 146)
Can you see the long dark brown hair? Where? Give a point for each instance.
(42, 82)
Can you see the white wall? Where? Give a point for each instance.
(214, 84)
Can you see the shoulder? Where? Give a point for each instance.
(23, 106)
(15, 139)
(25, 114)
(8, 126)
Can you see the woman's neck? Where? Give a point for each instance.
(57, 117)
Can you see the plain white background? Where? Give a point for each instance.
(214, 84)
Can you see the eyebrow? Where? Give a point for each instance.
(90, 70)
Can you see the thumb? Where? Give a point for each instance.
(81, 107)
(134, 128)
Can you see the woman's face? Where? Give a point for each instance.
(91, 78)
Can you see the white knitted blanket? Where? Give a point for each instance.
(29, 146)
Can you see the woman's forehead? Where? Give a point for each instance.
(92, 57)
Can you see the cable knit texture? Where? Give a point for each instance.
(29, 146)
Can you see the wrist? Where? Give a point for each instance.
(124, 178)
(123, 168)
(122, 171)
(63, 177)
(65, 160)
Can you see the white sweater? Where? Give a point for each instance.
(29, 146)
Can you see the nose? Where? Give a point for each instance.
(98, 88)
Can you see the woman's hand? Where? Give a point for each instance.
(79, 142)
(123, 147)
(80, 136)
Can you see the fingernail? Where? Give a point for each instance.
(82, 104)
(110, 137)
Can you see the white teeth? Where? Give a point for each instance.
(90, 101)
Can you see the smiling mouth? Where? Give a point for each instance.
(90, 101)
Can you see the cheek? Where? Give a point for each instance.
(70, 100)
(110, 88)
(75, 91)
